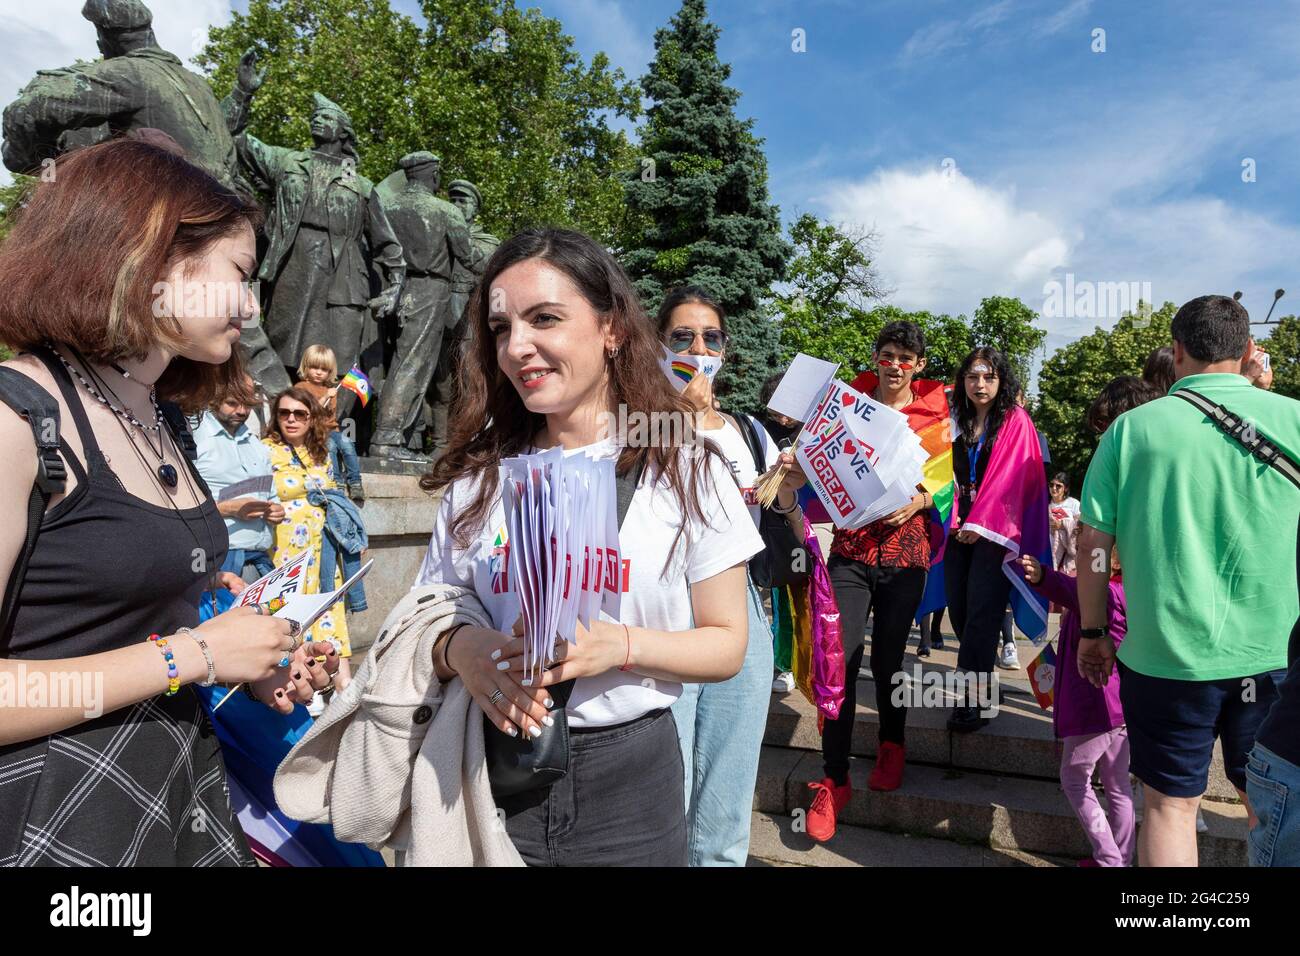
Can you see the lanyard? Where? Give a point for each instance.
(974, 459)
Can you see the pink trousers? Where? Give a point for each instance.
(1112, 832)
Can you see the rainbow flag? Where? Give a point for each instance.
(1042, 676)
(357, 383)
(930, 418)
(684, 370)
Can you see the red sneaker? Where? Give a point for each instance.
(888, 772)
(828, 801)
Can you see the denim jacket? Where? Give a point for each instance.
(343, 541)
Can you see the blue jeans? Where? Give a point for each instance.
(720, 728)
(343, 459)
(1273, 787)
(238, 558)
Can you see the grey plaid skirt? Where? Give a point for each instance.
(142, 786)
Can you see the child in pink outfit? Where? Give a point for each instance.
(1090, 721)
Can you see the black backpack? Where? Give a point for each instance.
(41, 412)
(783, 551)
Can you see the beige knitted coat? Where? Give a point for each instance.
(397, 759)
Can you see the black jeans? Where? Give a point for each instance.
(978, 592)
(892, 595)
(622, 803)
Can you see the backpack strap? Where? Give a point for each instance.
(1236, 428)
(748, 431)
(38, 407)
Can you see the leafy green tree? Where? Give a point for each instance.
(11, 197)
(1075, 374)
(698, 209)
(1283, 347)
(498, 92)
(1008, 325)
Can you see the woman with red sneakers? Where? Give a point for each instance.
(881, 569)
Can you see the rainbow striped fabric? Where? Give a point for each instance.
(357, 383)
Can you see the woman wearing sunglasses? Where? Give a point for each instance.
(721, 725)
(298, 438)
(881, 569)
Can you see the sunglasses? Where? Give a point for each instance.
(681, 340)
(901, 366)
(296, 414)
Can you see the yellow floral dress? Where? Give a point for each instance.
(303, 529)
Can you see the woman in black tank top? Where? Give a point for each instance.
(106, 758)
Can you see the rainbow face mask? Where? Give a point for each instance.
(682, 369)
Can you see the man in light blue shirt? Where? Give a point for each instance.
(231, 455)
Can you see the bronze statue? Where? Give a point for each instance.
(466, 197)
(322, 212)
(435, 243)
(137, 85)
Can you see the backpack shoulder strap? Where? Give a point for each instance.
(180, 429)
(41, 412)
(626, 486)
(1244, 434)
(749, 432)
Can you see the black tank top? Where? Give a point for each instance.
(109, 569)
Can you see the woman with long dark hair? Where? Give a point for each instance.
(998, 466)
(559, 349)
(721, 725)
(111, 277)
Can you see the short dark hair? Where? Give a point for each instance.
(907, 335)
(1212, 328)
(1063, 478)
(1117, 397)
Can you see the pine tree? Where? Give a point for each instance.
(698, 209)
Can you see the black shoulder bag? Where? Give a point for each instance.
(783, 550)
(518, 764)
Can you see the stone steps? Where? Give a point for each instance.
(975, 807)
(1019, 741)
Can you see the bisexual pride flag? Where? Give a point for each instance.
(1011, 510)
(357, 383)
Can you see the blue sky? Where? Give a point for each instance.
(988, 146)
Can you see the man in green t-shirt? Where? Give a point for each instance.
(1206, 534)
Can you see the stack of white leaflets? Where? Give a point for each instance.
(564, 559)
(861, 457)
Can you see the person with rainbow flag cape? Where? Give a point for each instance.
(882, 569)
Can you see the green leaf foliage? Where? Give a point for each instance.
(697, 201)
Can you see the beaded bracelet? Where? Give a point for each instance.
(173, 675)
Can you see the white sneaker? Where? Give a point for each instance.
(1008, 658)
(783, 684)
(317, 705)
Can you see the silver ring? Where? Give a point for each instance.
(258, 609)
(496, 696)
(294, 627)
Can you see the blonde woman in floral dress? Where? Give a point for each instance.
(297, 437)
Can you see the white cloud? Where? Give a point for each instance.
(1063, 17)
(946, 241)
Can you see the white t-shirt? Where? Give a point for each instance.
(652, 598)
(735, 449)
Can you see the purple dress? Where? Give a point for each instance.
(1080, 708)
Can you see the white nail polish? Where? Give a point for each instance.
(526, 682)
(548, 720)
(512, 732)
(535, 730)
(496, 654)
(503, 666)
(549, 703)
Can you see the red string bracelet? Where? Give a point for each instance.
(627, 662)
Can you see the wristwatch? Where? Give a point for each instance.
(1092, 633)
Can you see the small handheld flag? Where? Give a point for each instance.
(357, 383)
(1042, 676)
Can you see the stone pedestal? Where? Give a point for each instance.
(399, 520)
